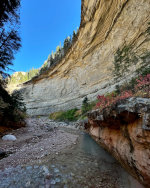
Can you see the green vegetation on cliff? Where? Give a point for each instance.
(70, 115)
(21, 77)
(74, 114)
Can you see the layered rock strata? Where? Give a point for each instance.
(124, 130)
(86, 70)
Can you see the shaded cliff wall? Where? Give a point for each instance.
(86, 70)
(124, 132)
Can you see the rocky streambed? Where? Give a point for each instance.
(50, 154)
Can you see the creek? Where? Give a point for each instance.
(84, 165)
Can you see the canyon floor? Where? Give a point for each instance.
(51, 154)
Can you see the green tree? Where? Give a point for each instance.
(8, 11)
(57, 49)
(74, 36)
(52, 54)
(49, 57)
(67, 44)
(85, 105)
(10, 41)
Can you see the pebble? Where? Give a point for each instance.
(29, 167)
(45, 169)
(56, 170)
(28, 184)
(35, 166)
(53, 182)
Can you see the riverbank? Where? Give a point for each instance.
(39, 138)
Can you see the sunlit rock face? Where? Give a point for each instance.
(125, 132)
(86, 70)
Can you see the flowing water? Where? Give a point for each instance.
(85, 165)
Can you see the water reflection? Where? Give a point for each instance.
(89, 146)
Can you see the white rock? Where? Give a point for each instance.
(9, 137)
(46, 171)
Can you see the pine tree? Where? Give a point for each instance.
(10, 41)
(57, 49)
(74, 36)
(8, 10)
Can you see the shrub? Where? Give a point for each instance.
(137, 87)
(143, 85)
(69, 115)
(12, 110)
(126, 58)
(107, 101)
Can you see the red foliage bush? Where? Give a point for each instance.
(142, 85)
(106, 101)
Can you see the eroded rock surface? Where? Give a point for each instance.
(86, 70)
(124, 131)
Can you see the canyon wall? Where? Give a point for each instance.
(124, 132)
(86, 70)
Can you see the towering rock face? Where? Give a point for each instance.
(86, 70)
(124, 132)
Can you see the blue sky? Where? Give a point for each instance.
(44, 23)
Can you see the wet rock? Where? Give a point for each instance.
(9, 137)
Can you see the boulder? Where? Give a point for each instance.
(9, 137)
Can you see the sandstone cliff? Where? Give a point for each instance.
(86, 70)
(124, 132)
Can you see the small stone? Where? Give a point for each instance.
(53, 182)
(28, 184)
(56, 170)
(29, 167)
(35, 166)
(45, 169)
(57, 180)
